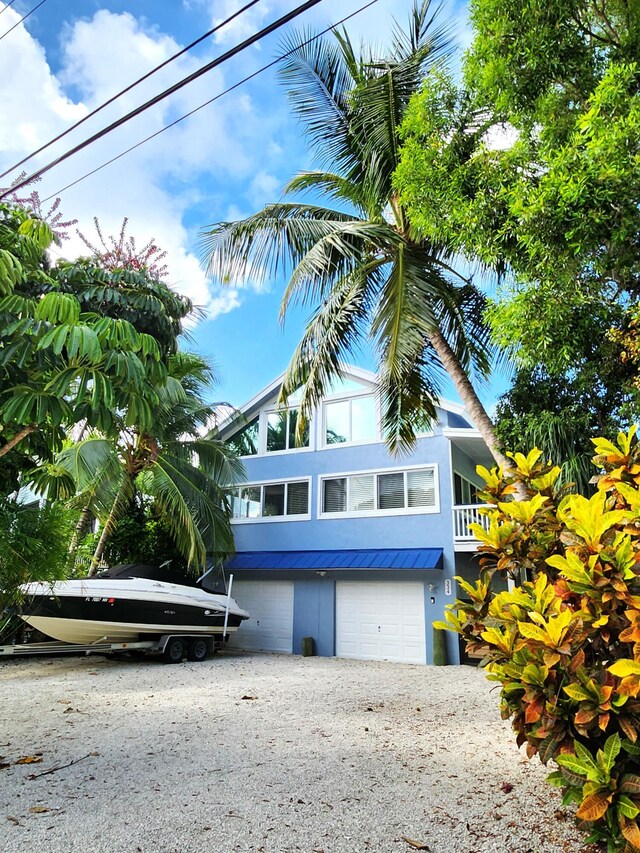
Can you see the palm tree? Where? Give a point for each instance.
(186, 473)
(363, 267)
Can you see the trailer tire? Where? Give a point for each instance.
(197, 650)
(174, 650)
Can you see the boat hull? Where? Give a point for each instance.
(91, 611)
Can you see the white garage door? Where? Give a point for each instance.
(270, 604)
(380, 621)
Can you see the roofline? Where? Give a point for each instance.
(351, 370)
(460, 432)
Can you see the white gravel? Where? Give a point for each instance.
(265, 753)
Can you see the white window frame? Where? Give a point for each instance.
(243, 426)
(378, 513)
(349, 398)
(475, 486)
(277, 518)
(264, 427)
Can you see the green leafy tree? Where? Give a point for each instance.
(69, 353)
(533, 168)
(141, 536)
(562, 410)
(360, 261)
(184, 472)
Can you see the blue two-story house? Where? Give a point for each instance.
(337, 539)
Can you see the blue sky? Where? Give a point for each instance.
(225, 162)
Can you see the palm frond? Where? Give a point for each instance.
(89, 459)
(332, 333)
(408, 395)
(336, 256)
(411, 292)
(318, 76)
(424, 32)
(332, 185)
(192, 506)
(215, 458)
(461, 321)
(277, 237)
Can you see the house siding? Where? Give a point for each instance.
(315, 595)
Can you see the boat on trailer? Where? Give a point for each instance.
(128, 603)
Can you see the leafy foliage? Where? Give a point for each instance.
(561, 413)
(184, 472)
(564, 642)
(78, 344)
(141, 536)
(533, 167)
(33, 547)
(359, 261)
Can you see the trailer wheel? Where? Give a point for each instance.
(173, 651)
(197, 650)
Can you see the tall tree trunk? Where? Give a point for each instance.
(81, 526)
(110, 523)
(467, 393)
(17, 438)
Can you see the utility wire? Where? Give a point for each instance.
(128, 88)
(9, 4)
(22, 19)
(210, 101)
(280, 22)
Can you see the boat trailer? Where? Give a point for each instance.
(173, 647)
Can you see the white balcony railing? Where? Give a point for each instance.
(463, 516)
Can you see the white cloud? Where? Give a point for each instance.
(244, 25)
(100, 56)
(224, 301)
(264, 188)
(226, 161)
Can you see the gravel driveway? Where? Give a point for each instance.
(265, 753)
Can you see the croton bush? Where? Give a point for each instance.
(564, 640)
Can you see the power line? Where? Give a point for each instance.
(128, 88)
(22, 19)
(210, 101)
(9, 4)
(280, 22)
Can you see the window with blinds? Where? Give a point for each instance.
(414, 490)
(334, 495)
(271, 500)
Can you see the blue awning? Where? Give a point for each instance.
(415, 559)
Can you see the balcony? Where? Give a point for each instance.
(463, 517)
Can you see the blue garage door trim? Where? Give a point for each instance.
(417, 559)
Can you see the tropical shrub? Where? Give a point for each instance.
(34, 542)
(564, 640)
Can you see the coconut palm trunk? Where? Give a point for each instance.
(469, 397)
(83, 522)
(122, 499)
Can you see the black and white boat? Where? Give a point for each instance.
(128, 603)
